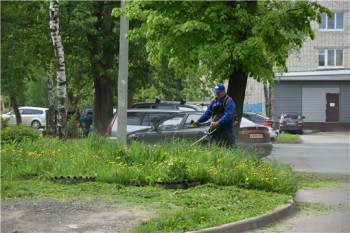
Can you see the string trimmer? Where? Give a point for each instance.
(202, 138)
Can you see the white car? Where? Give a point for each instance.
(273, 134)
(31, 116)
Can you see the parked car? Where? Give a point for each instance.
(259, 119)
(139, 119)
(168, 105)
(265, 121)
(31, 116)
(291, 122)
(179, 126)
(254, 136)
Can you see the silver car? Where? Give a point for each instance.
(179, 126)
(139, 119)
(31, 116)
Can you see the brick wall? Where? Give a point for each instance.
(307, 58)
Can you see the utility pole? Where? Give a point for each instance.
(123, 79)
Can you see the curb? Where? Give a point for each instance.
(252, 223)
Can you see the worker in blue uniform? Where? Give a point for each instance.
(221, 110)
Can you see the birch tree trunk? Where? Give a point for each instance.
(60, 68)
(51, 128)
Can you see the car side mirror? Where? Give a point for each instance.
(303, 117)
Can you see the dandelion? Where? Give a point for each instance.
(31, 153)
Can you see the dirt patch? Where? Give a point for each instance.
(36, 216)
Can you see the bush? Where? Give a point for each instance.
(73, 126)
(4, 123)
(16, 134)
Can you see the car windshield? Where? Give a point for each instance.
(246, 123)
(172, 123)
(291, 116)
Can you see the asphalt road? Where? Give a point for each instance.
(322, 152)
(326, 153)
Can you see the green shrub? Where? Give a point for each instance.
(4, 123)
(16, 134)
(73, 127)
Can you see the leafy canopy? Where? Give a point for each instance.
(216, 37)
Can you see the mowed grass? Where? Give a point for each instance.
(176, 210)
(231, 184)
(286, 137)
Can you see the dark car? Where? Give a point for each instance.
(179, 126)
(265, 121)
(168, 105)
(291, 122)
(259, 119)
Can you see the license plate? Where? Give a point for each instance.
(256, 135)
(290, 123)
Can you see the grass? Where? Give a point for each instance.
(178, 210)
(143, 165)
(286, 137)
(233, 185)
(319, 181)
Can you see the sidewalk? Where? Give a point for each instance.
(322, 210)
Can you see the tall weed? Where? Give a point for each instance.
(142, 165)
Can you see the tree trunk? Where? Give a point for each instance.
(103, 105)
(103, 96)
(272, 98)
(51, 127)
(236, 89)
(60, 68)
(14, 106)
(268, 101)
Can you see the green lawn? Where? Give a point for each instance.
(232, 185)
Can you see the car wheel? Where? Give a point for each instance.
(36, 124)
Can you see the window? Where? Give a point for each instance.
(330, 57)
(134, 118)
(171, 123)
(153, 118)
(31, 112)
(336, 22)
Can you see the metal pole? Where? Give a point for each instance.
(123, 79)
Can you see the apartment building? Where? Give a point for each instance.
(318, 80)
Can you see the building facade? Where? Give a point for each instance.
(318, 80)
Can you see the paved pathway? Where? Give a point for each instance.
(321, 210)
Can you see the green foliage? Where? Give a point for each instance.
(145, 165)
(4, 123)
(36, 93)
(17, 134)
(73, 126)
(25, 42)
(214, 38)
